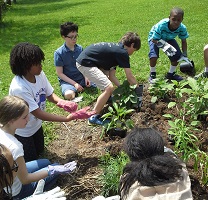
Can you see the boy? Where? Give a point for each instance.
(70, 78)
(162, 35)
(31, 84)
(98, 63)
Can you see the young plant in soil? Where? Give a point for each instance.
(126, 95)
(119, 121)
(160, 89)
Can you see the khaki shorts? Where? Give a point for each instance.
(95, 75)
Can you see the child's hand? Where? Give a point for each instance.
(82, 113)
(68, 106)
(168, 49)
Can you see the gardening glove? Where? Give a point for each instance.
(168, 49)
(67, 105)
(117, 197)
(61, 169)
(184, 58)
(56, 193)
(139, 92)
(82, 113)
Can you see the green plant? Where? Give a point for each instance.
(125, 95)
(113, 169)
(160, 89)
(198, 97)
(186, 142)
(117, 115)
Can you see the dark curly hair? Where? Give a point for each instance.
(68, 27)
(149, 165)
(23, 56)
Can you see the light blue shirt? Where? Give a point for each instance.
(161, 31)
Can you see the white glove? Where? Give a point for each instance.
(54, 194)
(183, 58)
(117, 197)
(168, 49)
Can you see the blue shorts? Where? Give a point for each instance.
(154, 50)
(67, 86)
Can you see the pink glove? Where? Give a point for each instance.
(82, 113)
(61, 169)
(67, 105)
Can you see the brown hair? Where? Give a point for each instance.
(11, 108)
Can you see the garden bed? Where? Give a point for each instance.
(78, 141)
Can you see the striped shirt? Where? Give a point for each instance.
(161, 31)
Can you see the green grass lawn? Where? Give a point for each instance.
(37, 21)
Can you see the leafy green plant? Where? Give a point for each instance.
(160, 89)
(117, 115)
(198, 97)
(186, 142)
(125, 95)
(113, 169)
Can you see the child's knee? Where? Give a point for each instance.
(109, 88)
(69, 95)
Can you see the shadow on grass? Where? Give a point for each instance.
(35, 21)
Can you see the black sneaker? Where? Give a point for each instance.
(152, 77)
(201, 75)
(173, 76)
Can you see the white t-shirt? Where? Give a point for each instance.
(17, 151)
(35, 94)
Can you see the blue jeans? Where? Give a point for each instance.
(35, 166)
(154, 50)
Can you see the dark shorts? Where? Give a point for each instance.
(154, 50)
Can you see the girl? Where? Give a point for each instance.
(31, 84)
(152, 173)
(14, 113)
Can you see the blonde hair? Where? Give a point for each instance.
(11, 108)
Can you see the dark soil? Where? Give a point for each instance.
(80, 142)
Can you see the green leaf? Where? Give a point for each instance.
(171, 104)
(168, 116)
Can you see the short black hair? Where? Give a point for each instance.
(177, 10)
(23, 56)
(68, 27)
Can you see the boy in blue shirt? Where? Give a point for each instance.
(162, 35)
(70, 78)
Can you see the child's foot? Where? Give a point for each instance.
(152, 77)
(97, 120)
(173, 76)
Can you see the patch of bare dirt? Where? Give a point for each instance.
(80, 142)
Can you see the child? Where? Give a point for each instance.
(152, 173)
(31, 84)
(162, 35)
(14, 113)
(70, 78)
(205, 73)
(98, 63)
